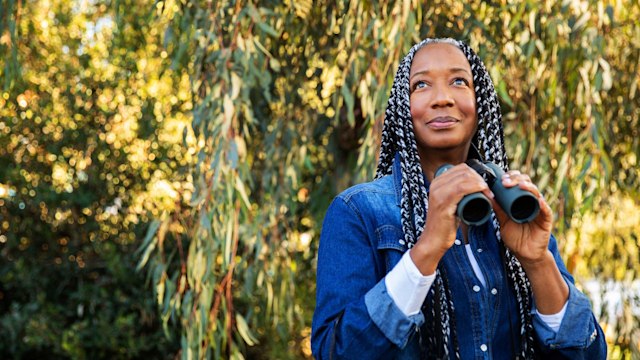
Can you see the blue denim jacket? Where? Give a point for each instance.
(355, 318)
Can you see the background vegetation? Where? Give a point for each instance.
(165, 166)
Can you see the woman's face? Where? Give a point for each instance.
(443, 102)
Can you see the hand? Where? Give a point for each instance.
(529, 241)
(441, 225)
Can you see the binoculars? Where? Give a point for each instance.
(475, 209)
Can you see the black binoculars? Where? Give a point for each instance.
(475, 209)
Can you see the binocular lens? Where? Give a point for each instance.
(476, 211)
(524, 209)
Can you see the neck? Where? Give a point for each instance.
(432, 160)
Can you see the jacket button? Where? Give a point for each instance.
(476, 288)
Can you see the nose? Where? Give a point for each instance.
(442, 98)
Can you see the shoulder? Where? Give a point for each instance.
(375, 200)
(378, 187)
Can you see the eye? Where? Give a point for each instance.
(460, 82)
(420, 84)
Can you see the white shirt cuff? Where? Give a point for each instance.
(554, 320)
(407, 286)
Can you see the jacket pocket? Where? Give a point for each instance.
(391, 245)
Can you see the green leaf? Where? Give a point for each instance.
(148, 246)
(244, 331)
(504, 94)
(268, 29)
(349, 101)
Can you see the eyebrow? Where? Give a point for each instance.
(451, 71)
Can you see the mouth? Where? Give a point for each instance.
(442, 122)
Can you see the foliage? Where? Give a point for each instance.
(286, 102)
(86, 156)
(273, 77)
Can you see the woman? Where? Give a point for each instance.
(400, 277)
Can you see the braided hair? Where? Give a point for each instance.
(398, 138)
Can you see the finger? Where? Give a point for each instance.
(488, 193)
(450, 194)
(523, 178)
(527, 185)
(460, 179)
(514, 178)
(508, 179)
(545, 209)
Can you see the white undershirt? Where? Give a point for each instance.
(408, 288)
(475, 265)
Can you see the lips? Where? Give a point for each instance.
(442, 122)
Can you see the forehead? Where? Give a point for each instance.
(439, 56)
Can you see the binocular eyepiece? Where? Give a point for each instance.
(475, 209)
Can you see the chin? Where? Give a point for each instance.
(446, 145)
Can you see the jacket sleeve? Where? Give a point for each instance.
(355, 318)
(579, 336)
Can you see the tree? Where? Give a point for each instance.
(285, 102)
(91, 146)
(289, 97)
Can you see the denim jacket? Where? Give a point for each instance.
(355, 317)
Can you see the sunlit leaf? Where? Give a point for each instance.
(244, 331)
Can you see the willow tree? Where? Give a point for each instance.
(289, 100)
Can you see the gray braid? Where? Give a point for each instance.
(398, 138)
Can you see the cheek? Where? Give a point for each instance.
(468, 105)
(417, 116)
(414, 109)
